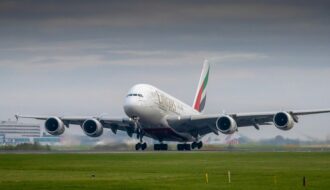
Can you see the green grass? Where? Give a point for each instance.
(170, 170)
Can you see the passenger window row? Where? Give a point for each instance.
(140, 95)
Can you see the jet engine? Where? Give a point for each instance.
(283, 121)
(226, 125)
(92, 128)
(54, 126)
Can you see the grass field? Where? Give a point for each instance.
(165, 170)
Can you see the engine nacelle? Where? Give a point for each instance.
(226, 125)
(92, 128)
(283, 121)
(54, 126)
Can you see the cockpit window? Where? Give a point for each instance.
(139, 95)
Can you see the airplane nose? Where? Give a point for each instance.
(132, 106)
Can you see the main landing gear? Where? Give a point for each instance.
(160, 147)
(188, 147)
(182, 147)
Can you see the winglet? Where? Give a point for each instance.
(200, 97)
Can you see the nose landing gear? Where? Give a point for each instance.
(139, 134)
(197, 145)
(141, 146)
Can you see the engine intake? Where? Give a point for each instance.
(283, 121)
(92, 128)
(226, 125)
(54, 126)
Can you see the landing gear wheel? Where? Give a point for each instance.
(163, 146)
(199, 144)
(157, 147)
(187, 147)
(144, 146)
(160, 147)
(194, 145)
(141, 146)
(138, 146)
(181, 147)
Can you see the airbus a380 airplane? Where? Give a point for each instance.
(156, 114)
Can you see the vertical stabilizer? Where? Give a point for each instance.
(200, 97)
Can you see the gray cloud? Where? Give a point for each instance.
(179, 20)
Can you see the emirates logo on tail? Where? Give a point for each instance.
(200, 97)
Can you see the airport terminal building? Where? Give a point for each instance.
(14, 132)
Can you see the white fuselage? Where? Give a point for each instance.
(151, 107)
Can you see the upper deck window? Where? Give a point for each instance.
(139, 95)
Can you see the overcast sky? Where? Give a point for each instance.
(81, 57)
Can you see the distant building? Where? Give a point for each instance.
(2, 138)
(14, 132)
(16, 129)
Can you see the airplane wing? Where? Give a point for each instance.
(204, 124)
(122, 124)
